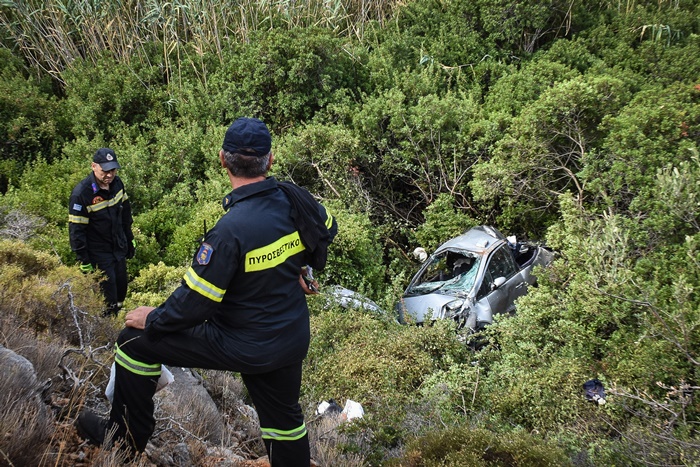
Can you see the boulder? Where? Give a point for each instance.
(188, 403)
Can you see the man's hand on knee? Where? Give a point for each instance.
(136, 318)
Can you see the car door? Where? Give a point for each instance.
(501, 299)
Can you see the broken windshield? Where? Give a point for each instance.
(449, 272)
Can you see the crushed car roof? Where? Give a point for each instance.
(478, 239)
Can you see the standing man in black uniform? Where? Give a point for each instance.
(241, 306)
(99, 226)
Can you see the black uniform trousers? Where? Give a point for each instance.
(275, 394)
(115, 283)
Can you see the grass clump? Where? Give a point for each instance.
(466, 446)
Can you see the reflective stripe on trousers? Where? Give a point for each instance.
(134, 366)
(283, 435)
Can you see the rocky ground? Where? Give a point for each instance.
(192, 427)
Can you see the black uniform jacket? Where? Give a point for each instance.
(243, 284)
(99, 221)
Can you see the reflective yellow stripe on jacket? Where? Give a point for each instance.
(108, 203)
(78, 219)
(203, 286)
(274, 254)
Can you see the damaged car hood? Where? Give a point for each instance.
(427, 307)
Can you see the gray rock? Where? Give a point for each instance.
(26, 419)
(190, 405)
(18, 369)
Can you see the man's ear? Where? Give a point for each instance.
(221, 158)
(269, 164)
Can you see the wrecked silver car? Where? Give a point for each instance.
(471, 278)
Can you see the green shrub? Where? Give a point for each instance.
(355, 256)
(163, 169)
(54, 238)
(284, 76)
(187, 235)
(442, 222)
(50, 298)
(30, 122)
(544, 150)
(645, 136)
(414, 148)
(105, 97)
(322, 159)
(643, 443)
(521, 87)
(45, 187)
(373, 359)
(452, 392)
(154, 284)
(148, 251)
(159, 223)
(468, 446)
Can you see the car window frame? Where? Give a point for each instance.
(489, 277)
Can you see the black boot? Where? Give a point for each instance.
(112, 310)
(96, 430)
(92, 427)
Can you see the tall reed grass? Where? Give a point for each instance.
(52, 34)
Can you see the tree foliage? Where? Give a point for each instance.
(576, 123)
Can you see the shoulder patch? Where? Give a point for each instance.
(204, 254)
(77, 207)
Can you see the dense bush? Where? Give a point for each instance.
(442, 221)
(107, 99)
(31, 124)
(284, 77)
(468, 446)
(571, 122)
(355, 256)
(49, 298)
(323, 159)
(373, 359)
(153, 285)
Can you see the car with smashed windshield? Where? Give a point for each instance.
(471, 278)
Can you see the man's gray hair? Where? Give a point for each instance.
(244, 166)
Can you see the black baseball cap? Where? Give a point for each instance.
(106, 158)
(248, 136)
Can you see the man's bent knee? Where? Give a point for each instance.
(134, 343)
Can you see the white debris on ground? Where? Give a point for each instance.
(351, 410)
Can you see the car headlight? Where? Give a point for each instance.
(453, 309)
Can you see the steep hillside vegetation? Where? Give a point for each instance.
(575, 123)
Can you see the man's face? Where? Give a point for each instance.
(103, 176)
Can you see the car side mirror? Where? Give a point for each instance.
(498, 282)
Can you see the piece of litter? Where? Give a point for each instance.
(595, 392)
(353, 410)
(166, 377)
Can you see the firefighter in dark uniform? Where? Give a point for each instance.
(99, 226)
(241, 306)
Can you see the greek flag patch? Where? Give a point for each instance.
(77, 207)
